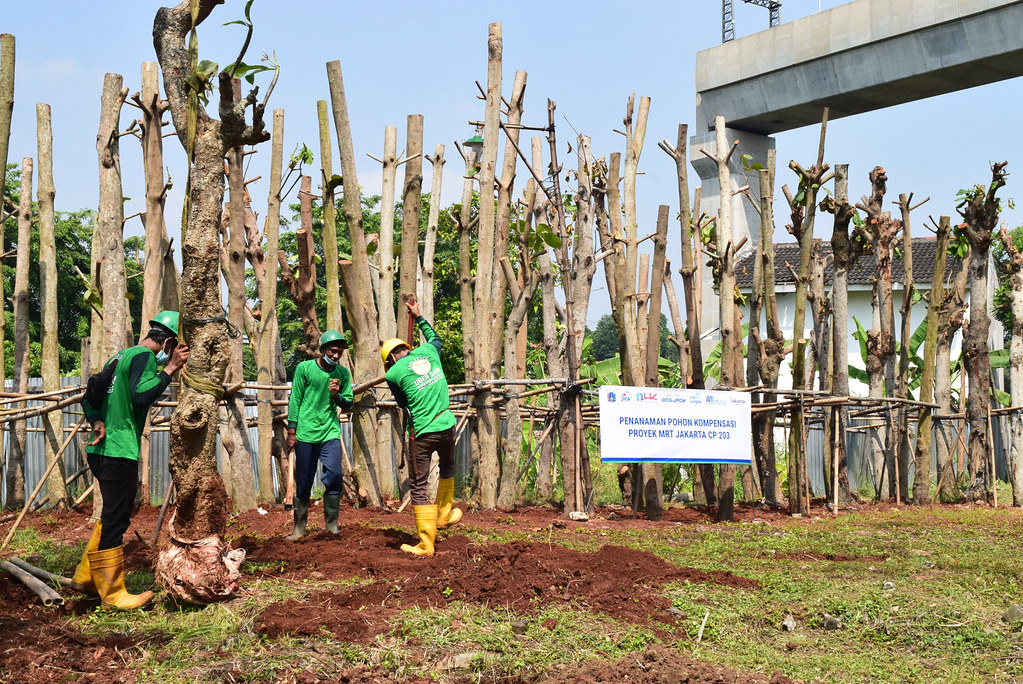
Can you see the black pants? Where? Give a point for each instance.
(118, 480)
(419, 463)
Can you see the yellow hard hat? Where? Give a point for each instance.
(389, 346)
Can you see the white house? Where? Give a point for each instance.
(861, 282)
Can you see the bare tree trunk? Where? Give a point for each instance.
(374, 463)
(771, 347)
(432, 225)
(550, 313)
(267, 373)
(922, 455)
(508, 281)
(724, 267)
(329, 237)
(803, 207)
(53, 422)
(902, 388)
(880, 232)
(16, 467)
(385, 251)
(950, 320)
(844, 256)
(411, 194)
(235, 438)
(484, 306)
(6, 110)
(201, 497)
(110, 217)
(303, 287)
(1015, 365)
(980, 216)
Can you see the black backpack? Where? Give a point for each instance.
(98, 386)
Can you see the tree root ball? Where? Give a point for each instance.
(199, 571)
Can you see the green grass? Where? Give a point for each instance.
(920, 595)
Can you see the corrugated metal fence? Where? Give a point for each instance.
(159, 449)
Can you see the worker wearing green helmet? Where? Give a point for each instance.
(133, 383)
(319, 388)
(416, 379)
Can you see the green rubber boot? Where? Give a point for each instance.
(331, 507)
(300, 507)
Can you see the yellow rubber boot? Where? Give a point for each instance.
(83, 574)
(426, 524)
(447, 515)
(108, 576)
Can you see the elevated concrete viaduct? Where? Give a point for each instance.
(857, 57)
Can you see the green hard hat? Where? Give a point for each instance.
(167, 319)
(332, 336)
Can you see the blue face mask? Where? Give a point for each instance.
(162, 358)
(329, 361)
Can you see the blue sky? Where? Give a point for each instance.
(400, 58)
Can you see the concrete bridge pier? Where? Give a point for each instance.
(745, 213)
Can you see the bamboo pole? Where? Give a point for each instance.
(48, 596)
(45, 575)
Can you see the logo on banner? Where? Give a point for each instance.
(611, 397)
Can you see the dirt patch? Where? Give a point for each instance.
(46, 649)
(39, 645)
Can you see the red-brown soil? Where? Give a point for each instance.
(37, 645)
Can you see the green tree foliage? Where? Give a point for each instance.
(1000, 303)
(73, 235)
(605, 339)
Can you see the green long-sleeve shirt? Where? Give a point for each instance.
(311, 412)
(418, 384)
(135, 386)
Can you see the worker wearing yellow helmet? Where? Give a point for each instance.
(416, 379)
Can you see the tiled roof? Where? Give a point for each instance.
(862, 273)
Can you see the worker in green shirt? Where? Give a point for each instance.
(319, 388)
(113, 453)
(417, 381)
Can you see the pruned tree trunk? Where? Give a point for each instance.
(980, 215)
(922, 454)
(844, 254)
(388, 324)
(724, 268)
(1015, 288)
(7, 42)
(53, 422)
(190, 572)
(905, 450)
(16, 467)
(508, 281)
(110, 218)
(803, 206)
(234, 438)
(302, 285)
(411, 193)
(465, 277)
(484, 307)
(271, 440)
(950, 319)
(550, 313)
(880, 233)
(332, 287)
(374, 463)
(432, 226)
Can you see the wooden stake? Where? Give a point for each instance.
(39, 485)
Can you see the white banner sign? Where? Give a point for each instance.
(659, 425)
